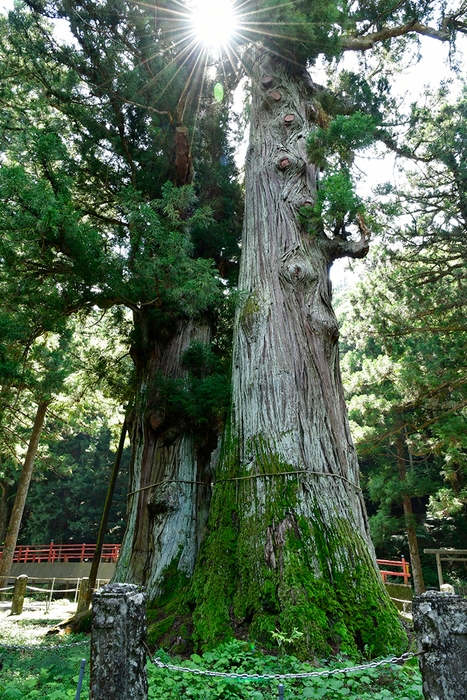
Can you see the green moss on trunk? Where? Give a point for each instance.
(265, 566)
(169, 618)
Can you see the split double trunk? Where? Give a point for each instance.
(287, 544)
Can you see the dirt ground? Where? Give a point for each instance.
(34, 622)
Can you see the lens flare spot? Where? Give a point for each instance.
(218, 92)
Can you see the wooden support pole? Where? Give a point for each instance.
(118, 657)
(440, 624)
(105, 517)
(19, 594)
(83, 595)
(440, 569)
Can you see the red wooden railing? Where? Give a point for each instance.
(52, 552)
(401, 569)
(84, 552)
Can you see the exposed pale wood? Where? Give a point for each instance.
(266, 81)
(170, 476)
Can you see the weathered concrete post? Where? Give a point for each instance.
(440, 623)
(118, 658)
(83, 595)
(19, 594)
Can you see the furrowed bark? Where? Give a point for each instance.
(288, 543)
(170, 480)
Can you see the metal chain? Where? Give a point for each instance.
(281, 676)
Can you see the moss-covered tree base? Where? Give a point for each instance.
(170, 623)
(285, 553)
(278, 559)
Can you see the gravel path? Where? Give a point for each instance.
(33, 624)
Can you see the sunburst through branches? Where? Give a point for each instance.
(207, 31)
(207, 40)
(214, 23)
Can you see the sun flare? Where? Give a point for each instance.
(214, 22)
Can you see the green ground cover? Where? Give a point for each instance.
(389, 682)
(34, 665)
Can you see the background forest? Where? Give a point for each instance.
(119, 256)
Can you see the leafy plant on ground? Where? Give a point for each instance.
(43, 671)
(39, 668)
(383, 683)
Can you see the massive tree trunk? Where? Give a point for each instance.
(288, 544)
(170, 475)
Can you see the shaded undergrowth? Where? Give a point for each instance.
(33, 665)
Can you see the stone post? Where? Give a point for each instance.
(19, 594)
(118, 658)
(440, 623)
(83, 595)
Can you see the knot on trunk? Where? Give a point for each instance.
(298, 272)
(166, 502)
(252, 315)
(156, 419)
(275, 95)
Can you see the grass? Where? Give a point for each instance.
(33, 665)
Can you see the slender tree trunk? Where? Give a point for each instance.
(170, 480)
(288, 544)
(96, 560)
(417, 573)
(21, 494)
(4, 510)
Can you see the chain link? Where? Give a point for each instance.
(282, 676)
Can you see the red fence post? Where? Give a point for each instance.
(400, 564)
